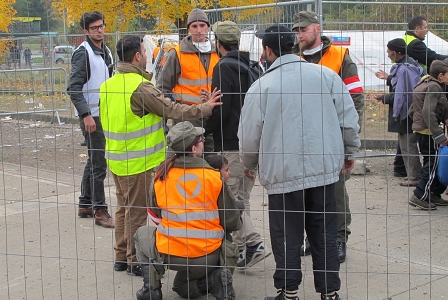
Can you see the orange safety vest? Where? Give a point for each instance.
(193, 77)
(190, 224)
(333, 58)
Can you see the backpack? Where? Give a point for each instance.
(254, 69)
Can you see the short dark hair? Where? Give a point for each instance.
(90, 17)
(216, 161)
(415, 22)
(127, 46)
(227, 46)
(438, 67)
(276, 51)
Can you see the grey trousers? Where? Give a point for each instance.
(189, 270)
(241, 187)
(411, 157)
(343, 208)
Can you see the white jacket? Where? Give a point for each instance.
(297, 122)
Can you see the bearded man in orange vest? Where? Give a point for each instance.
(318, 49)
(189, 67)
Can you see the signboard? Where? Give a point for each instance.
(340, 40)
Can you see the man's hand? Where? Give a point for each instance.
(378, 97)
(89, 124)
(248, 174)
(348, 166)
(381, 74)
(211, 98)
(443, 144)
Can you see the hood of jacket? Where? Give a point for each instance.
(186, 46)
(241, 56)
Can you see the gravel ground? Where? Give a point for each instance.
(57, 147)
(43, 145)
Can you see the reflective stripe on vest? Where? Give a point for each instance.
(333, 59)
(193, 76)
(409, 39)
(190, 225)
(133, 144)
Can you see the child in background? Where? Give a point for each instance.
(221, 163)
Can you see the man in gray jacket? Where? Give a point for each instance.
(301, 135)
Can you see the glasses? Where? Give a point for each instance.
(95, 28)
(201, 139)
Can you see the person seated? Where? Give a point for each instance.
(194, 213)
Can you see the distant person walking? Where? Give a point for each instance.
(27, 57)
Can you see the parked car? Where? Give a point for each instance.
(62, 54)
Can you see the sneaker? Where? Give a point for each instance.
(332, 297)
(437, 200)
(409, 183)
(281, 296)
(425, 205)
(305, 249)
(134, 270)
(252, 255)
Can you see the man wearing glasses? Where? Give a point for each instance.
(91, 65)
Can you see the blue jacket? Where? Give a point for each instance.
(405, 76)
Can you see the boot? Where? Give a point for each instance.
(85, 212)
(203, 287)
(147, 292)
(103, 218)
(221, 284)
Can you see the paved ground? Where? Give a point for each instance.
(394, 252)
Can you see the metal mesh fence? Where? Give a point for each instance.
(395, 251)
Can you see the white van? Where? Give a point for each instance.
(62, 54)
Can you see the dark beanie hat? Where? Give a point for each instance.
(197, 15)
(397, 45)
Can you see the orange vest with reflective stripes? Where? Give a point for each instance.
(333, 58)
(190, 224)
(193, 77)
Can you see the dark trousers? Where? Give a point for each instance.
(92, 183)
(428, 182)
(399, 166)
(314, 210)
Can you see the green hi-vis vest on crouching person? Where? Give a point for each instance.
(138, 144)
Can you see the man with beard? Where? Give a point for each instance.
(318, 49)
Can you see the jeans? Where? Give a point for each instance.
(92, 183)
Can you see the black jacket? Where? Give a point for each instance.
(80, 74)
(395, 124)
(233, 82)
(421, 53)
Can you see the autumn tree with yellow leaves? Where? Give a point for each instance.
(6, 12)
(119, 14)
